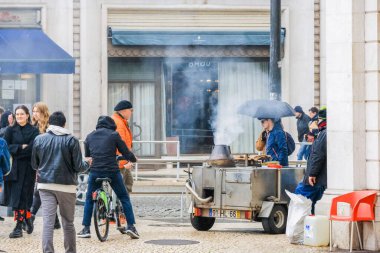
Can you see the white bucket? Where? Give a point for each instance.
(316, 231)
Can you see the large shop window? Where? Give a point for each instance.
(19, 89)
(244, 81)
(198, 89)
(178, 99)
(135, 81)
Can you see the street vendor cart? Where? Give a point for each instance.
(220, 189)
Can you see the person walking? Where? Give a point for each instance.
(314, 182)
(5, 164)
(276, 146)
(101, 146)
(313, 123)
(40, 120)
(123, 112)
(7, 120)
(19, 184)
(57, 157)
(302, 129)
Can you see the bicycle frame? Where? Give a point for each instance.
(104, 193)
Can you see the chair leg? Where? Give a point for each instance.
(330, 235)
(351, 235)
(360, 239)
(374, 234)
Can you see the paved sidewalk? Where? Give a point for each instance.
(224, 237)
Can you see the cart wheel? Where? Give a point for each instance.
(201, 223)
(276, 222)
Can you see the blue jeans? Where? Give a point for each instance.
(314, 193)
(119, 189)
(303, 152)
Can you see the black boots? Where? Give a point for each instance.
(17, 231)
(29, 225)
(23, 223)
(57, 225)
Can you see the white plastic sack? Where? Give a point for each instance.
(299, 208)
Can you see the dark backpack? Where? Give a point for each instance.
(291, 145)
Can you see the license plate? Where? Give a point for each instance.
(224, 213)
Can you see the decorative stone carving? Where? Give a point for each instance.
(187, 51)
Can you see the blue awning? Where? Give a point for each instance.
(32, 51)
(185, 38)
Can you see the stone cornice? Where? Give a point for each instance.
(187, 51)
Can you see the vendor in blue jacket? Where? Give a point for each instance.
(277, 147)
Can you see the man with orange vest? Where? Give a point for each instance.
(123, 111)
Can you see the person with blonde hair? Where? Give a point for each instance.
(40, 119)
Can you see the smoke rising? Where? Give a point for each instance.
(227, 123)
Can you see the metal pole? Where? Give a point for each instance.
(279, 184)
(136, 169)
(178, 150)
(181, 205)
(275, 57)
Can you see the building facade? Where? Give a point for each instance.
(330, 55)
(55, 20)
(177, 86)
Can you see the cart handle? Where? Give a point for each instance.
(191, 190)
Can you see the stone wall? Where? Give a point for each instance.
(317, 65)
(76, 81)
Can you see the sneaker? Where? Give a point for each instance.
(132, 232)
(84, 233)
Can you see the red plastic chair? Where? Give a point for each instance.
(362, 205)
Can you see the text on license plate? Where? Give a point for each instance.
(224, 213)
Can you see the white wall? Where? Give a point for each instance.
(298, 71)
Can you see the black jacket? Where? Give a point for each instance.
(57, 159)
(19, 184)
(317, 163)
(302, 126)
(102, 144)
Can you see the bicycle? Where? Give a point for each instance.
(104, 211)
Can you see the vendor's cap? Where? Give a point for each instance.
(123, 104)
(298, 109)
(322, 113)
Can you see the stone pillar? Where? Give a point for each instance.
(317, 54)
(77, 83)
(345, 94)
(372, 99)
(352, 94)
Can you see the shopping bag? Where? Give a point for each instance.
(299, 208)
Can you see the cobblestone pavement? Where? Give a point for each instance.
(158, 218)
(223, 237)
(155, 206)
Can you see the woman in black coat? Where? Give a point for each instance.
(19, 184)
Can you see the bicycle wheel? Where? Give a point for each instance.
(101, 220)
(121, 219)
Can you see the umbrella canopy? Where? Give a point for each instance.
(266, 109)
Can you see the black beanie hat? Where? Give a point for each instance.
(123, 104)
(298, 109)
